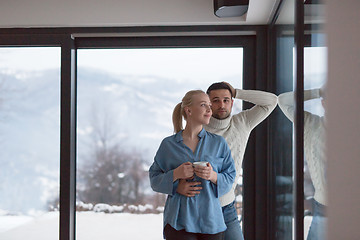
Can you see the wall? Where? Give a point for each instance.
(343, 111)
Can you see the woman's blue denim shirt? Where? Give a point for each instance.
(201, 213)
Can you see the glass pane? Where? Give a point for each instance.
(315, 60)
(29, 142)
(315, 77)
(281, 125)
(125, 103)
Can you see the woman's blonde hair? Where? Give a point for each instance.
(179, 112)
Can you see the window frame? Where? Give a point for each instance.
(67, 118)
(253, 39)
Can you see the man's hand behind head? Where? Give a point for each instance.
(233, 92)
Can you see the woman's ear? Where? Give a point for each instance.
(187, 111)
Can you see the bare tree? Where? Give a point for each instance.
(136, 176)
(111, 173)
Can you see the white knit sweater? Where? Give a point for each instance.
(236, 129)
(314, 141)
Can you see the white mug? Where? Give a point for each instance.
(204, 164)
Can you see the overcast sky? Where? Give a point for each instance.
(182, 64)
(178, 63)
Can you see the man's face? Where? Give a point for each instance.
(221, 102)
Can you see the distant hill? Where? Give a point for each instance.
(137, 110)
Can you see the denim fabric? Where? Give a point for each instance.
(201, 213)
(233, 231)
(317, 230)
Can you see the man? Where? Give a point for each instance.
(314, 150)
(236, 130)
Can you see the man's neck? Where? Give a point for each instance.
(218, 118)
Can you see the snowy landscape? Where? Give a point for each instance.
(140, 107)
(137, 104)
(89, 226)
(137, 107)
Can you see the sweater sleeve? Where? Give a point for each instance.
(287, 101)
(265, 103)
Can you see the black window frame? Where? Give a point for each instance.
(253, 39)
(297, 30)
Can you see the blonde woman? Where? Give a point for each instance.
(194, 216)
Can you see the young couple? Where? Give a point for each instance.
(200, 203)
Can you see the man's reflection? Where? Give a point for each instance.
(314, 146)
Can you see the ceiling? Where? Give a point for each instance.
(81, 13)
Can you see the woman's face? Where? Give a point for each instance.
(200, 109)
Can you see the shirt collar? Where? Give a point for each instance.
(179, 138)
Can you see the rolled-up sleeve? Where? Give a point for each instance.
(226, 176)
(162, 181)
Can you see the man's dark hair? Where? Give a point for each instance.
(217, 86)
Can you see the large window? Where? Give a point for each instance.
(29, 142)
(87, 116)
(298, 163)
(125, 102)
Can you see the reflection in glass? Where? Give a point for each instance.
(125, 103)
(314, 141)
(281, 129)
(315, 76)
(282, 137)
(29, 142)
(314, 138)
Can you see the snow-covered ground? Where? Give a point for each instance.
(89, 226)
(10, 222)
